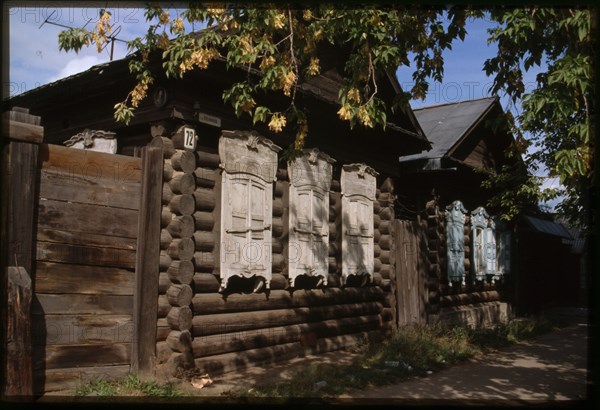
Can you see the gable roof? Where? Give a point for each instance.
(547, 227)
(447, 124)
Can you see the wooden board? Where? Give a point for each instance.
(67, 356)
(411, 285)
(94, 219)
(89, 190)
(71, 304)
(67, 278)
(51, 330)
(91, 164)
(85, 255)
(85, 238)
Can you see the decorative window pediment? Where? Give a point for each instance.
(249, 164)
(310, 181)
(455, 241)
(359, 184)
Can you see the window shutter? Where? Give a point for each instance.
(308, 247)
(249, 163)
(455, 242)
(358, 183)
(479, 223)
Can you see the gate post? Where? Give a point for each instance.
(22, 135)
(145, 298)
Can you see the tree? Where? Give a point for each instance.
(558, 113)
(282, 43)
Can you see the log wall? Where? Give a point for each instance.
(475, 303)
(198, 327)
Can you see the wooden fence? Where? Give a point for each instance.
(91, 219)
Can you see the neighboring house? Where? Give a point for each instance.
(468, 140)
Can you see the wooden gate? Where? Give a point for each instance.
(91, 257)
(411, 280)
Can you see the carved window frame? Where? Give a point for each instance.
(249, 166)
(503, 249)
(479, 233)
(456, 215)
(308, 248)
(359, 185)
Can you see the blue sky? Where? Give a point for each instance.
(34, 58)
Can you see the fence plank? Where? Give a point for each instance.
(147, 264)
(71, 304)
(85, 255)
(64, 329)
(94, 219)
(85, 238)
(68, 356)
(67, 278)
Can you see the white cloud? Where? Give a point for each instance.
(77, 65)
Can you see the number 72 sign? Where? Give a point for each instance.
(189, 138)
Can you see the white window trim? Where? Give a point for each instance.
(456, 215)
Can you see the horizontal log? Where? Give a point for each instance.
(85, 239)
(386, 285)
(207, 157)
(335, 185)
(182, 226)
(76, 329)
(385, 242)
(162, 329)
(181, 248)
(204, 325)
(376, 250)
(377, 265)
(182, 184)
(387, 213)
(387, 314)
(84, 279)
(388, 300)
(386, 270)
(179, 295)
(281, 174)
(251, 339)
(376, 235)
(205, 199)
(214, 303)
(278, 262)
(180, 341)
(332, 231)
(163, 282)
(377, 208)
(160, 140)
(280, 188)
(376, 221)
(469, 298)
(168, 170)
(385, 227)
(328, 344)
(387, 185)
(332, 264)
(166, 216)
(204, 221)
(180, 318)
(167, 194)
(377, 278)
(71, 356)
(333, 280)
(277, 226)
(204, 241)
(179, 362)
(206, 283)
(279, 282)
(163, 352)
(163, 306)
(81, 304)
(276, 245)
(278, 206)
(185, 161)
(182, 204)
(204, 262)
(235, 361)
(385, 256)
(206, 177)
(165, 239)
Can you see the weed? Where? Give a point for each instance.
(130, 385)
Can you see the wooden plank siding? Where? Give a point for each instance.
(86, 244)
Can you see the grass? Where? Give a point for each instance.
(410, 352)
(130, 385)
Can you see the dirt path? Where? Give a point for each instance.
(550, 368)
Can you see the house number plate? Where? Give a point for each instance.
(189, 138)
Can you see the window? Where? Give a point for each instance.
(249, 165)
(479, 235)
(358, 183)
(455, 242)
(308, 250)
(503, 240)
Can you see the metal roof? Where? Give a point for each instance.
(445, 125)
(548, 227)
